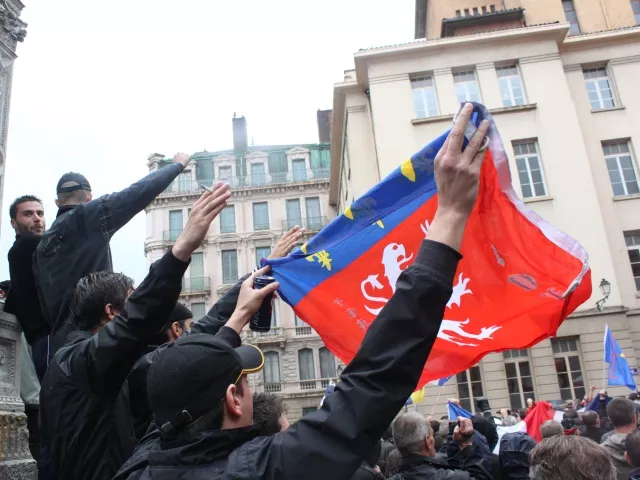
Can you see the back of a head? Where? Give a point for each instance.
(621, 412)
(94, 292)
(73, 189)
(409, 432)
(632, 446)
(394, 459)
(590, 418)
(551, 428)
(487, 428)
(514, 454)
(267, 412)
(570, 458)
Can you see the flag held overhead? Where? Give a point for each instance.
(519, 279)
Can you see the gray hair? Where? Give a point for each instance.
(551, 428)
(409, 432)
(570, 458)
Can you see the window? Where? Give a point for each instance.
(571, 16)
(198, 310)
(184, 182)
(529, 170)
(229, 266)
(466, 12)
(598, 88)
(225, 174)
(458, 13)
(635, 5)
(633, 246)
(327, 365)
(257, 174)
(299, 170)
(519, 378)
(294, 214)
(510, 86)
(261, 216)
(262, 252)
(621, 167)
(271, 372)
(466, 86)
(175, 224)
(475, 10)
(204, 172)
(568, 368)
(307, 368)
(302, 328)
(425, 99)
(469, 387)
(228, 219)
(196, 272)
(314, 219)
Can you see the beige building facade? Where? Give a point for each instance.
(273, 189)
(560, 79)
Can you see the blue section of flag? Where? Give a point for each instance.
(619, 371)
(390, 202)
(455, 411)
(444, 380)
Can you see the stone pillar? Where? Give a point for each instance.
(16, 462)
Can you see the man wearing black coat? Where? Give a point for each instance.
(84, 410)
(77, 243)
(205, 419)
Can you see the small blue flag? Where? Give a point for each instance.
(444, 380)
(456, 411)
(619, 371)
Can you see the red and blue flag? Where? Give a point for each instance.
(519, 279)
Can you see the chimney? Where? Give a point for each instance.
(325, 118)
(240, 140)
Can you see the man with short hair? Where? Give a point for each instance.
(592, 429)
(632, 453)
(269, 413)
(570, 457)
(623, 417)
(205, 415)
(84, 410)
(413, 437)
(77, 243)
(551, 428)
(27, 219)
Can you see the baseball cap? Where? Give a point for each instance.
(191, 376)
(80, 181)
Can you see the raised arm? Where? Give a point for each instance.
(115, 348)
(120, 207)
(332, 441)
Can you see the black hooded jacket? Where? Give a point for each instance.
(332, 441)
(514, 455)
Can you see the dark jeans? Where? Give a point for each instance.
(41, 352)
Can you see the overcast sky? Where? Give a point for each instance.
(98, 86)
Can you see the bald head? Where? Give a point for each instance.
(551, 428)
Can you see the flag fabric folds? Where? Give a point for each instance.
(456, 411)
(619, 371)
(442, 381)
(519, 278)
(539, 414)
(416, 397)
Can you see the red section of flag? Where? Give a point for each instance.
(507, 291)
(539, 414)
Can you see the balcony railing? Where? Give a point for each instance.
(196, 285)
(260, 226)
(315, 386)
(183, 186)
(170, 235)
(302, 331)
(276, 334)
(275, 387)
(312, 224)
(228, 278)
(227, 228)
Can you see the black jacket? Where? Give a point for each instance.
(594, 434)
(333, 441)
(467, 465)
(365, 472)
(514, 455)
(211, 323)
(77, 243)
(22, 299)
(84, 410)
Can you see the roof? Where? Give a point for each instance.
(449, 24)
(263, 148)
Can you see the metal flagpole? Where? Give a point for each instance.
(605, 379)
(437, 398)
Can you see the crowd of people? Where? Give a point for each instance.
(132, 387)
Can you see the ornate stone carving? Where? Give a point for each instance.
(11, 23)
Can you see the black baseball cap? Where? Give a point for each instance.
(79, 181)
(191, 376)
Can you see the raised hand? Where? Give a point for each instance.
(206, 208)
(286, 243)
(182, 158)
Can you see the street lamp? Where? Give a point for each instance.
(339, 371)
(605, 288)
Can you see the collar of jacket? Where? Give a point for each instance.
(411, 461)
(204, 448)
(65, 209)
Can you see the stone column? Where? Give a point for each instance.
(16, 462)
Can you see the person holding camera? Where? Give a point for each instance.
(413, 437)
